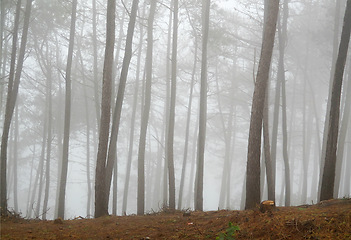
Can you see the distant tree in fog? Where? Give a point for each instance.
(12, 92)
(67, 121)
(145, 111)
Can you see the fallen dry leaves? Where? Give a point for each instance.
(326, 220)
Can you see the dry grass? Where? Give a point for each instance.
(327, 220)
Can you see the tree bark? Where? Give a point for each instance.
(146, 112)
(285, 146)
(95, 66)
(344, 128)
(171, 119)
(132, 126)
(101, 203)
(327, 187)
(199, 182)
(67, 121)
(254, 147)
(326, 122)
(119, 102)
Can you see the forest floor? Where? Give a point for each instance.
(327, 220)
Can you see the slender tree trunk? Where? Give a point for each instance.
(327, 187)
(267, 151)
(101, 203)
(334, 57)
(224, 196)
(191, 188)
(95, 67)
(187, 128)
(88, 126)
(171, 119)
(167, 109)
(146, 111)
(254, 147)
(199, 182)
(344, 129)
(285, 146)
(132, 126)
(119, 102)
(15, 162)
(114, 70)
(48, 141)
(67, 121)
(40, 172)
(11, 99)
(347, 176)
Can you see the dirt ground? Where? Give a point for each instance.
(326, 220)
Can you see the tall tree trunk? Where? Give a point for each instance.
(132, 126)
(3, 51)
(224, 196)
(146, 111)
(67, 121)
(171, 119)
(101, 204)
(191, 188)
(347, 176)
(327, 187)
(187, 130)
(88, 126)
(267, 151)
(95, 67)
(254, 147)
(40, 171)
(11, 99)
(344, 129)
(119, 102)
(48, 141)
(15, 162)
(285, 146)
(336, 32)
(167, 109)
(59, 123)
(199, 179)
(114, 70)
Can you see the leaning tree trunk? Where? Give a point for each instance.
(119, 102)
(132, 125)
(327, 187)
(254, 147)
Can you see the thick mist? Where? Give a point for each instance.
(156, 103)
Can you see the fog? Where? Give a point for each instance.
(234, 46)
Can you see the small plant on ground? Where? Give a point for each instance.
(229, 234)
